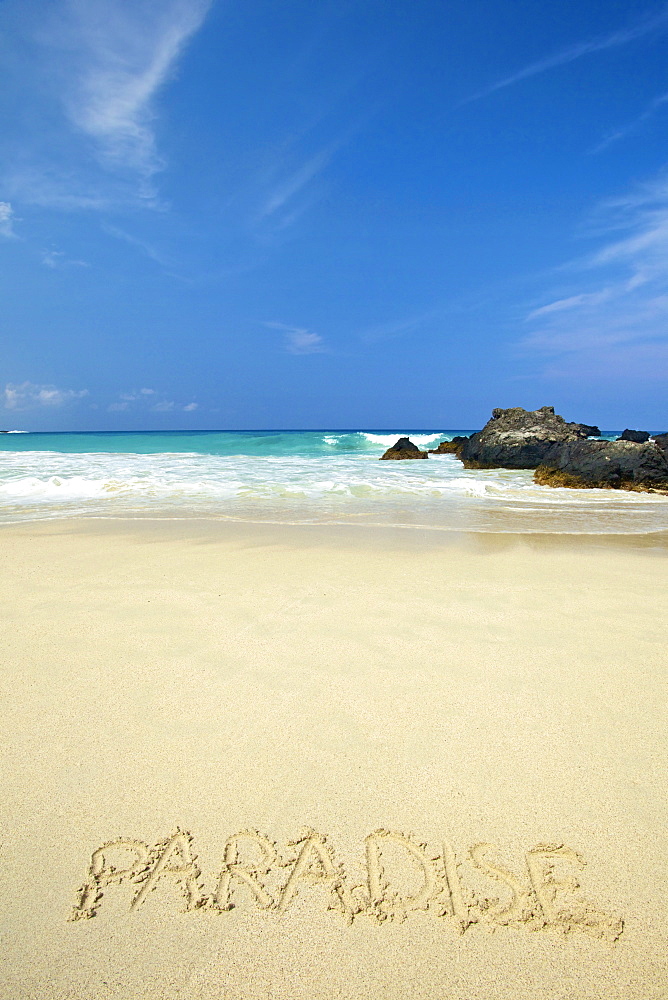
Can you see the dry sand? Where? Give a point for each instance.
(339, 698)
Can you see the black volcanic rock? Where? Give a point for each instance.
(519, 439)
(639, 437)
(662, 441)
(404, 448)
(449, 447)
(625, 465)
(586, 430)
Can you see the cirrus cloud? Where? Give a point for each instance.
(104, 64)
(7, 220)
(613, 318)
(647, 25)
(298, 339)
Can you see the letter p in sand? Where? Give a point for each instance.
(115, 862)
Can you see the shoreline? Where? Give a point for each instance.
(329, 533)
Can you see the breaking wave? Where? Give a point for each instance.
(317, 477)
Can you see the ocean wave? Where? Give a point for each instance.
(387, 440)
(348, 485)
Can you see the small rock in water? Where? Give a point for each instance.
(404, 448)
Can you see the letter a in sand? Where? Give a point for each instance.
(173, 857)
(315, 863)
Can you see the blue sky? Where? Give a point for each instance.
(345, 214)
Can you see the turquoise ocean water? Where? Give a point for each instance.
(294, 477)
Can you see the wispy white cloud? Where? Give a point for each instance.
(299, 340)
(287, 189)
(291, 184)
(140, 394)
(617, 321)
(105, 63)
(146, 248)
(648, 25)
(56, 259)
(29, 396)
(125, 400)
(398, 327)
(167, 261)
(7, 220)
(572, 302)
(633, 126)
(67, 191)
(126, 53)
(144, 400)
(52, 258)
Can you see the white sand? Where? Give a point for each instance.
(496, 691)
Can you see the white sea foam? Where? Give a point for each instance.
(352, 487)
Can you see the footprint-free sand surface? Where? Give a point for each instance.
(250, 762)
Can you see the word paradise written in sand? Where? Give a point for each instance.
(399, 876)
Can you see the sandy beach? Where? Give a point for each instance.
(289, 762)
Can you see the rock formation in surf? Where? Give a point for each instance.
(625, 465)
(449, 447)
(639, 437)
(520, 439)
